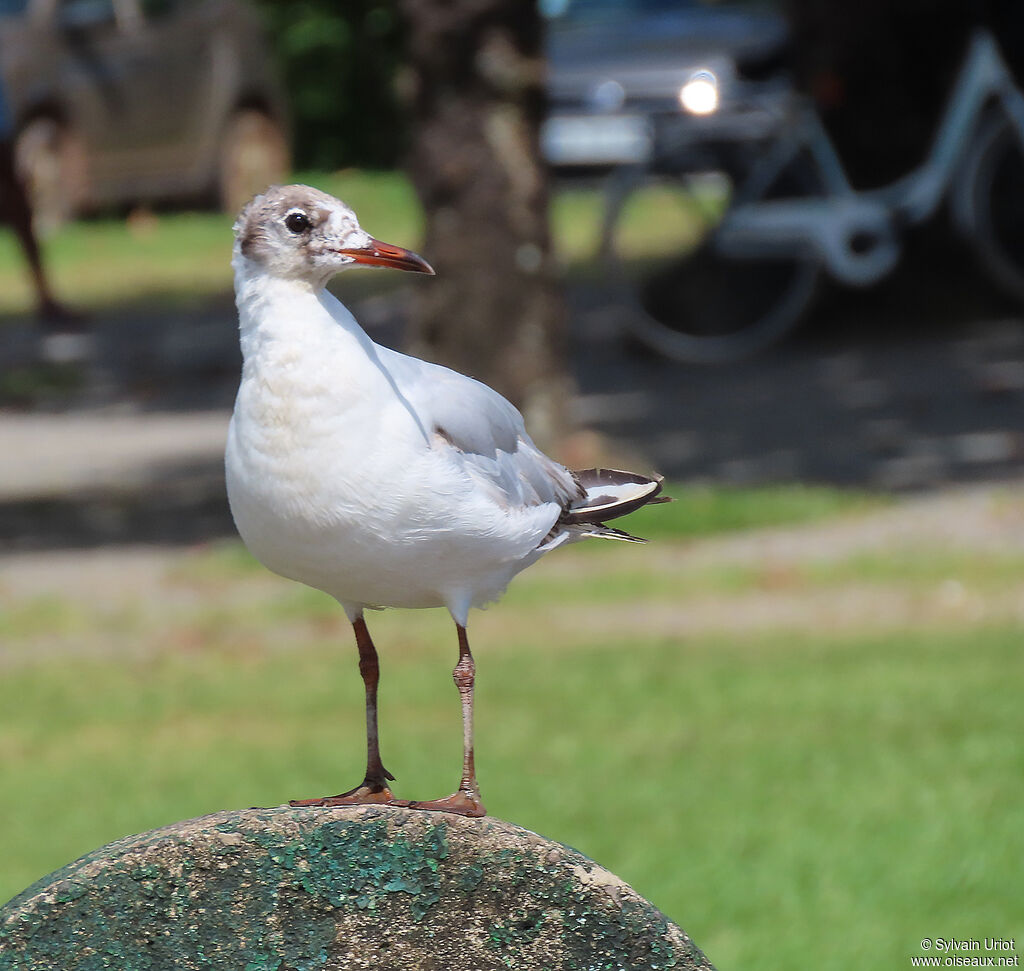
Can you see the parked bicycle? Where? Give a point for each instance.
(763, 218)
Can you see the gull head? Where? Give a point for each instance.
(300, 233)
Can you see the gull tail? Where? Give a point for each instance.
(608, 494)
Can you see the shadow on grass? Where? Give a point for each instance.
(186, 505)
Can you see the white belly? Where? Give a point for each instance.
(372, 526)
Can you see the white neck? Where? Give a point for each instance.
(274, 310)
(303, 353)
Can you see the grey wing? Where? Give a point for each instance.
(486, 431)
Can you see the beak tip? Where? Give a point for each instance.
(376, 253)
(417, 264)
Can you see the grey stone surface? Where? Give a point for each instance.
(371, 887)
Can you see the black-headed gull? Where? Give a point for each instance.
(383, 480)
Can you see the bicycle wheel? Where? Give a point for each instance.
(682, 297)
(989, 204)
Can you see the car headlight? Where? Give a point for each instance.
(699, 95)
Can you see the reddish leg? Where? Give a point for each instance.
(465, 802)
(374, 788)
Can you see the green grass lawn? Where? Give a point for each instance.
(795, 797)
(817, 794)
(183, 258)
(179, 258)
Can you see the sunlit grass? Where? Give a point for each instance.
(182, 258)
(779, 791)
(842, 787)
(99, 264)
(703, 510)
(820, 798)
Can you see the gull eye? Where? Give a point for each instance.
(297, 221)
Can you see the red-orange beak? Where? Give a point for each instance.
(376, 253)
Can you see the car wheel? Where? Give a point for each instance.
(51, 162)
(254, 153)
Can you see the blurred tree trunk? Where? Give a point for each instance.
(476, 89)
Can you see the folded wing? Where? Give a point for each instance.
(490, 437)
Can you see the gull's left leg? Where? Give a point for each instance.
(465, 802)
(374, 788)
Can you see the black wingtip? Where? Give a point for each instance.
(605, 497)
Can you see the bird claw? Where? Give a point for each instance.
(364, 795)
(462, 803)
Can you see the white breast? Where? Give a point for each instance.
(335, 480)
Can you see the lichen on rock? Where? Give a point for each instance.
(292, 889)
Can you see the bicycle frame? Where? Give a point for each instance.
(855, 234)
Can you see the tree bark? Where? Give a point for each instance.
(476, 88)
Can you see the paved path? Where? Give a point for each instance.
(916, 385)
(816, 577)
(51, 456)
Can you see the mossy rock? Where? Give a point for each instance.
(371, 887)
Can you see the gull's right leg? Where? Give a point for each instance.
(374, 788)
(466, 801)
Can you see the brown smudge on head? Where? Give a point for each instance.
(260, 222)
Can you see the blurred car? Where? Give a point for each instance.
(118, 102)
(623, 72)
